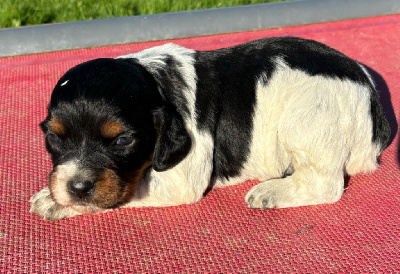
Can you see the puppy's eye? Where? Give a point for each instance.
(124, 141)
(53, 138)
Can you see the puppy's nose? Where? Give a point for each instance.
(80, 188)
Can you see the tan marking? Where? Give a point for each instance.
(56, 126)
(111, 193)
(111, 129)
(107, 190)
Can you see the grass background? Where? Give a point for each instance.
(15, 13)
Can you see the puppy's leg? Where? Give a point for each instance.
(156, 190)
(44, 205)
(317, 132)
(306, 186)
(318, 159)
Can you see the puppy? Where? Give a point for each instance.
(161, 126)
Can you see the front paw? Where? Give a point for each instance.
(43, 204)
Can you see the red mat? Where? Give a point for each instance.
(360, 233)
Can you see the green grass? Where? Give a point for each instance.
(15, 13)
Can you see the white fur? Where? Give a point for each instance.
(63, 174)
(43, 204)
(64, 83)
(187, 181)
(320, 125)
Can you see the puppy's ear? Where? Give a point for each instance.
(173, 141)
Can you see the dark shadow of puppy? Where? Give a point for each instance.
(384, 96)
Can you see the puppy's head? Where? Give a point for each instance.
(107, 124)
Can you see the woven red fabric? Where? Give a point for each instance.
(360, 233)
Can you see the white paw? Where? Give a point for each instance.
(262, 196)
(43, 204)
(285, 192)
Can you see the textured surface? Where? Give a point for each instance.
(219, 234)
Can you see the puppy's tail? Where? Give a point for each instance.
(380, 125)
(364, 156)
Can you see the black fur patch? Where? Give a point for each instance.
(315, 58)
(170, 83)
(225, 102)
(118, 82)
(173, 142)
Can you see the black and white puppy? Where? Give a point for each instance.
(161, 126)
